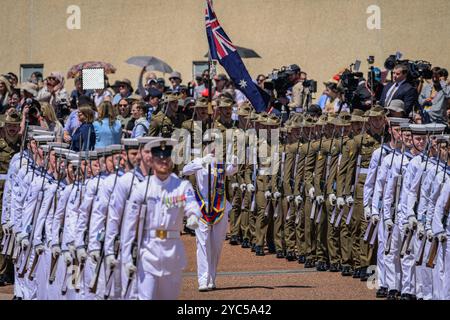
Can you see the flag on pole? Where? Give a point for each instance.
(222, 49)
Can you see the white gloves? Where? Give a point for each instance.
(442, 237)
(207, 159)
(290, 198)
(111, 262)
(277, 195)
(349, 201)
(25, 243)
(368, 214)
(320, 200)
(243, 187)
(5, 228)
(340, 203)
(192, 222)
(268, 195)
(68, 259)
(130, 269)
(412, 222)
(234, 185)
(375, 218)
(389, 224)
(56, 251)
(82, 254)
(251, 187)
(332, 199)
(420, 230)
(430, 235)
(312, 193)
(39, 249)
(95, 255)
(298, 200)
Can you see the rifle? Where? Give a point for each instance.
(279, 177)
(94, 283)
(319, 154)
(136, 245)
(435, 245)
(117, 240)
(24, 262)
(302, 185)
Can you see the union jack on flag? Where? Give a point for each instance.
(222, 49)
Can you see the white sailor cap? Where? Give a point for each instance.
(162, 148)
(393, 121)
(72, 156)
(46, 148)
(60, 145)
(405, 126)
(101, 152)
(418, 128)
(32, 128)
(75, 163)
(130, 143)
(44, 139)
(115, 149)
(145, 140)
(93, 155)
(443, 139)
(435, 128)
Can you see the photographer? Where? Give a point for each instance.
(400, 89)
(298, 91)
(434, 98)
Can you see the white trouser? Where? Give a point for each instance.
(19, 283)
(381, 268)
(54, 289)
(408, 268)
(209, 247)
(392, 260)
(116, 284)
(42, 270)
(72, 272)
(30, 288)
(424, 276)
(439, 276)
(152, 287)
(89, 273)
(446, 275)
(133, 292)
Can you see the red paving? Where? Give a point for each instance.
(243, 276)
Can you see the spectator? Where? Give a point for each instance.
(221, 83)
(400, 89)
(260, 79)
(53, 92)
(5, 92)
(435, 97)
(49, 121)
(101, 95)
(335, 103)
(125, 90)
(124, 115)
(37, 79)
(84, 135)
(72, 122)
(108, 130)
(175, 80)
(78, 92)
(13, 101)
(141, 125)
(153, 98)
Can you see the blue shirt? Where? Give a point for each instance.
(106, 135)
(72, 122)
(140, 129)
(83, 138)
(118, 97)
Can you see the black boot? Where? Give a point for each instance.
(382, 292)
(280, 254)
(346, 271)
(321, 266)
(364, 275)
(291, 256)
(271, 247)
(2, 281)
(408, 296)
(334, 267)
(392, 295)
(301, 259)
(309, 264)
(245, 244)
(259, 251)
(234, 241)
(356, 273)
(253, 247)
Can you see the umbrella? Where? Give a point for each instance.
(150, 63)
(75, 71)
(244, 53)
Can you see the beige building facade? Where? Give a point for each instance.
(322, 36)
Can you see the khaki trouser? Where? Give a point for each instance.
(346, 240)
(235, 212)
(310, 232)
(289, 226)
(334, 252)
(278, 225)
(245, 216)
(320, 223)
(264, 224)
(359, 247)
(300, 232)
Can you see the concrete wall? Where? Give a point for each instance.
(322, 36)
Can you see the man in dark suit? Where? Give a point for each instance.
(400, 89)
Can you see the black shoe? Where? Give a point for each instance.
(309, 264)
(346, 271)
(259, 251)
(382, 292)
(245, 244)
(227, 236)
(2, 281)
(16, 298)
(408, 296)
(234, 241)
(364, 275)
(356, 273)
(301, 259)
(280, 254)
(271, 248)
(321, 266)
(290, 256)
(253, 247)
(392, 295)
(334, 267)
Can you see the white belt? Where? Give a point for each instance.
(162, 234)
(363, 170)
(3, 177)
(264, 172)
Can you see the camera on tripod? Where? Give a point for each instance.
(416, 69)
(278, 81)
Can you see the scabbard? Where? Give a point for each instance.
(339, 218)
(404, 241)
(374, 236)
(53, 267)
(277, 210)
(408, 242)
(350, 214)
(421, 252)
(32, 273)
(267, 209)
(368, 232)
(64, 283)
(313, 210)
(387, 247)
(319, 214)
(333, 215)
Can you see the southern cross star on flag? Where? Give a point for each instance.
(222, 49)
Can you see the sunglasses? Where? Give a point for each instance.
(123, 105)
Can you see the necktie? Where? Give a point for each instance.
(391, 94)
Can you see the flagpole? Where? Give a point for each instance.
(210, 112)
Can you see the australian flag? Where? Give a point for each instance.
(222, 49)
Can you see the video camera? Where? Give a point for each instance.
(416, 69)
(278, 81)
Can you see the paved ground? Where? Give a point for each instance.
(243, 276)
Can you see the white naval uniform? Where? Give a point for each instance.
(160, 261)
(397, 273)
(373, 189)
(56, 240)
(117, 204)
(82, 231)
(210, 238)
(441, 271)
